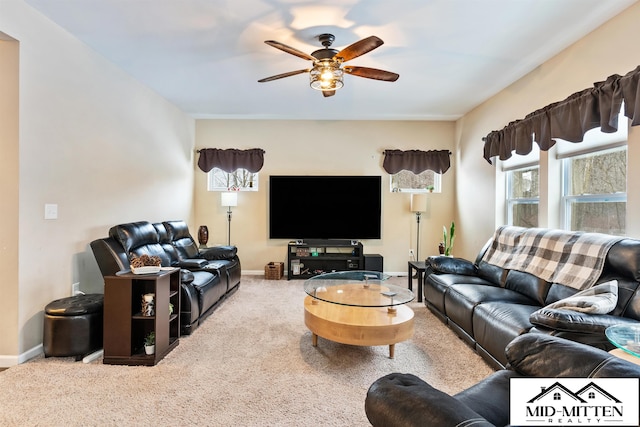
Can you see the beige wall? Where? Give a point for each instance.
(9, 80)
(330, 148)
(611, 49)
(95, 142)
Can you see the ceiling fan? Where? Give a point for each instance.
(327, 71)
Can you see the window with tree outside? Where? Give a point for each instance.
(595, 191)
(523, 196)
(238, 180)
(407, 181)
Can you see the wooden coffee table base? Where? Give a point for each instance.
(364, 326)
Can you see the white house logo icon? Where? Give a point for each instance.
(574, 401)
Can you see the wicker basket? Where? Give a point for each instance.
(274, 271)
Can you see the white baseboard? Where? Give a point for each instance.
(93, 356)
(9, 361)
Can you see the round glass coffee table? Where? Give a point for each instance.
(627, 340)
(358, 308)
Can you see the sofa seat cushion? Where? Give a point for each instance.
(209, 288)
(496, 324)
(461, 300)
(436, 286)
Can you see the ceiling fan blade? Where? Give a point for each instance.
(359, 48)
(372, 73)
(283, 75)
(289, 49)
(328, 93)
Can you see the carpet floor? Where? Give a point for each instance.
(251, 363)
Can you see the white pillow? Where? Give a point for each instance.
(599, 299)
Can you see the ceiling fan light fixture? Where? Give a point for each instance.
(326, 75)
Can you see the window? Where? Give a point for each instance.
(407, 181)
(594, 196)
(523, 197)
(240, 179)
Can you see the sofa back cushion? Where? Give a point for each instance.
(110, 256)
(622, 263)
(623, 260)
(165, 242)
(492, 273)
(181, 239)
(528, 284)
(139, 238)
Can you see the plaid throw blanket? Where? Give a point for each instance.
(573, 259)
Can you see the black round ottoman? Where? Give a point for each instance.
(73, 326)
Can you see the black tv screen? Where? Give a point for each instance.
(325, 207)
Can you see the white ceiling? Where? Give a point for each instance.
(206, 56)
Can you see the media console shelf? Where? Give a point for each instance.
(309, 258)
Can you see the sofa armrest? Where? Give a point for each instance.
(186, 276)
(219, 253)
(445, 264)
(193, 263)
(575, 321)
(540, 355)
(404, 400)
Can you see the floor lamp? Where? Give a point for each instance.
(418, 205)
(228, 200)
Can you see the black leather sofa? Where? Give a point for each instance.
(208, 276)
(404, 400)
(488, 306)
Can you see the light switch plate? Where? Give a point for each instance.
(50, 211)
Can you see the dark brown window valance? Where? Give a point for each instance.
(569, 119)
(231, 159)
(416, 161)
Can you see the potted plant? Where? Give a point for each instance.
(448, 240)
(430, 188)
(150, 343)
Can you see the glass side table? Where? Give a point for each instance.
(627, 340)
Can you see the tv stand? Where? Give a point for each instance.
(308, 258)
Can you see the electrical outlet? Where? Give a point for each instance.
(75, 288)
(411, 253)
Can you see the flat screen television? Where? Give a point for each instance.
(325, 207)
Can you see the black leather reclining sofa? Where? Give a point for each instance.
(404, 400)
(208, 276)
(488, 306)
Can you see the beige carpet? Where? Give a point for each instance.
(249, 364)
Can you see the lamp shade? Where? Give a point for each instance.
(418, 202)
(229, 199)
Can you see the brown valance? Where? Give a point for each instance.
(569, 119)
(231, 159)
(416, 161)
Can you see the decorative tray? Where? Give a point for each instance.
(147, 269)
